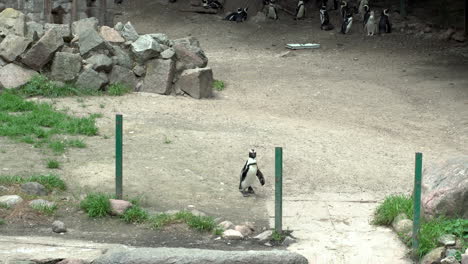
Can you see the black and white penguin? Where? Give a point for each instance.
(325, 19)
(366, 15)
(239, 16)
(249, 172)
(272, 12)
(370, 26)
(213, 4)
(384, 23)
(300, 10)
(344, 10)
(347, 23)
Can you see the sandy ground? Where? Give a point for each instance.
(350, 117)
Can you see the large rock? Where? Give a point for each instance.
(42, 52)
(433, 256)
(59, 227)
(111, 35)
(10, 200)
(62, 29)
(161, 39)
(129, 32)
(265, 236)
(90, 79)
(159, 76)
(145, 48)
(13, 46)
(14, 76)
(189, 54)
(445, 188)
(232, 235)
(226, 225)
(118, 207)
(90, 40)
(447, 240)
(66, 66)
(123, 76)
(83, 25)
(168, 54)
(34, 30)
(12, 22)
(198, 82)
(198, 256)
(34, 188)
(121, 57)
(244, 230)
(100, 62)
(449, 260)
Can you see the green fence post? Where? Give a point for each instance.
(118, 156)
(279, 189)
(417, 203)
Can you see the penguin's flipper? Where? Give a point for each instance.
(243, 175)
(260, 177)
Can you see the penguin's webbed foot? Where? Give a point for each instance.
(250, 190)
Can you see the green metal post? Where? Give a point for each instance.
(403, 8)
(118, 156)
(279, 189)
(417, 203)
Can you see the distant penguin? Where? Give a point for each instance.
(239, 16)
(272, 12)
(384, 23)
(344, 10)
(362, 10)
(213, 4)
(118, 1)
(300, 10)
(347, 23)
(243, 15)
(371, 26)
(366, 15)
(249, 172)
(325, 19)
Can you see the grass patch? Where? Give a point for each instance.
(218, 231)
(76, 143)
(42, 86)
(218, 85)
(49, 181)
(2, 222)
(200, 223)
(44, 209)
(53, 164)
(167, 140)
(96, 205)
(118, 89)
(135, 215)
(391, 207)
(5, 206)
(278, 237)
(40, 123)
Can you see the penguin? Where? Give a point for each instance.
(272, 12)
(361, 9)
(344, 10)
(243, 15)
(384, 23)
(239, 16)
(300, 10)
(371, 27)
(248, 174)
(325, 19)
(213, 4)
(347, 23)
(366, 15)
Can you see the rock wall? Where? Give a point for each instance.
(62, 10)
(94, 57)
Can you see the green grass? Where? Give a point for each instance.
(276, 236)
(42, 86)
(118, 89)
(40, 124)
(135, 215)
(5, 206)
(53, 164)
(218, 85)
(44, 209)
(96, 205)
(167, 140)
(102, 106)
(76, 143)
(200, 223)
(218, 231)
(2, 222)
(391, 207)
(49, 181)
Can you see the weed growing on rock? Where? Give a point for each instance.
(391, 207)
(96, 205)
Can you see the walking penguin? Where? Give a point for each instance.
(325, 19)
(347, 23)
(300, 10)
(384, 23)
(366, 15)
(272, 12)
(239, 16)
(248, 174)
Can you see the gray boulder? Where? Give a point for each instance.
(145, 48)
(100, 62)
(197, 256)
(447, 240)
(121, 58)
(83, 25)
(42, 52)
(445, 188)
(12, 22)
(162, 39)
(66, 66)
(433, 256)
(62, 29)
(129, 32)
(159, 76)
(168, 54)
(34, 188)
(189, 56)
(14, 76)
(119, 26)
(449, 260)
(10, 200)
(111, 35)
(187, 42)
(13, 46)
(90, 40)
(265, 236)
(59, 227)
(34, 30)
(90, 79)
(198, 83)
(139, 70)
(123, 76)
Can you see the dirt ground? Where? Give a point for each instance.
(350, 117)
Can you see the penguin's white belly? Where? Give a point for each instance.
(250, 177)
(300, 13)
(272, 12)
